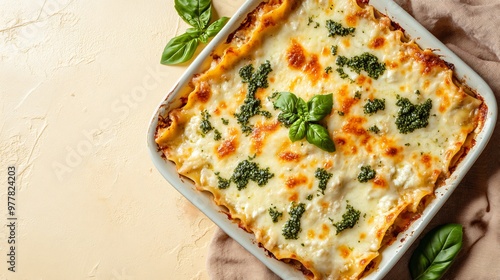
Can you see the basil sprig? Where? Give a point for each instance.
(301, 118)
(196, 13)
(436, 252)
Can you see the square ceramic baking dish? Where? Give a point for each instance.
(390, 254)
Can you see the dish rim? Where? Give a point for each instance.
(391, 254)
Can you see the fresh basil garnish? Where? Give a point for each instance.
(301, 117)
(287, 102)
(288, 106)
(319, 107)
(287, 118)
(180, 49)
(436, 252)
(216, 26)
(297, 130)
(302, 108)
(196, 13)
(318, 135)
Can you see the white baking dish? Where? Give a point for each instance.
(389, 255)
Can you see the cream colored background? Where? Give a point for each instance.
(79, 81)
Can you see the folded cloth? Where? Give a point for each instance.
(471, 28)
(227, 260)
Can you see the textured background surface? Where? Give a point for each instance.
(79, 81)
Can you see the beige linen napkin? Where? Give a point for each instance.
(471, 28)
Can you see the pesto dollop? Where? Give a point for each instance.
(334, 49)
(275, 214)
(205, 125)
(249, 170)
(335, 28)
(343, 74)
(222, 183)
(251, 105)
(323, 178)
(411, 116)
(366, 174)
(374, 105)
(349, 219)
(217, 135)
(291, 229)
(374, 129)
(366, 62)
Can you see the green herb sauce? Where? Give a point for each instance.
(248, 170)
(217, 135)
(251, 105)
(205, 124)
(372, 106)
(291, 229)
(341, 61)
(342, 74)
(323, 178)
(349, 219)
(275, 214)
(222, 183)
(335, 28)
(366, 61)
(334, 50)
(374, 129)
(411, 116)
(366, 174)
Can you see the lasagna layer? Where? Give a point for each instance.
(397, 121)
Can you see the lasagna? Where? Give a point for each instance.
(319, 127)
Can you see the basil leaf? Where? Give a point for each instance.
(287, 102)
(436, 252)
(287, 118)
(195, 32)
(297, 130)
(318, 136)
(319, 107)
(302, 107)
(196, 13)
(203, 38)
(216, 26)
(180, 49)
(205, 17)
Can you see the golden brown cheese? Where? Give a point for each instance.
(208, 145)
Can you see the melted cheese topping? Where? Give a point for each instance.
(293, 37)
